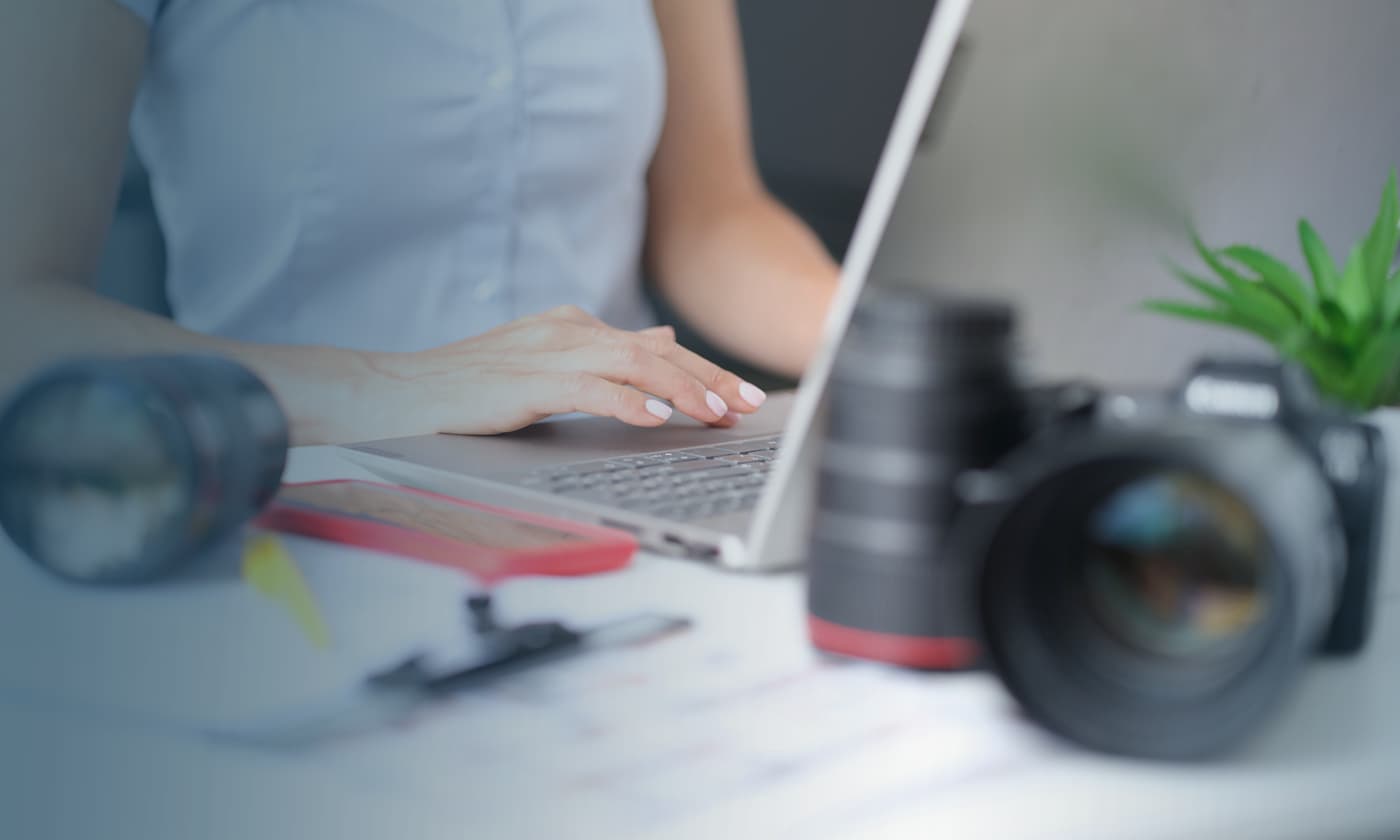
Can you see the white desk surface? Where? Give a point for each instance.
(735, 729)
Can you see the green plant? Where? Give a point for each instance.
(1344, 326)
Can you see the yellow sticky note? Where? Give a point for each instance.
(270, 570)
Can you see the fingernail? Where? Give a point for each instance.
(657, 408)
(752, 394)
(717, 405)
(732, 417)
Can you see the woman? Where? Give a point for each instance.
(408, 216)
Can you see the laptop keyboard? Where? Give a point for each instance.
(686, 484)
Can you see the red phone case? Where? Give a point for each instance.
(599, 549)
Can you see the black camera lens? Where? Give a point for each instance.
(120, 470)
(923, 389)
(1153, 592)
(1174, 566)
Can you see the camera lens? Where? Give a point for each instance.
(119, 470)
(922, 390)
(1152, 592)
(1174, 566)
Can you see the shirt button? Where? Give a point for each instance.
(487, 288)
(500, 78)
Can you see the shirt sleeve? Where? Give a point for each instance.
(144, 9)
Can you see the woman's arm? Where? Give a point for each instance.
(736, 264)
(69, 71)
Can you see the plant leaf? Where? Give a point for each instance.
(1353, 292)
(1391, 312)
(1380, 243)
(1202, 285)
(1251, 299)
(1207, 315)
(1191, 312)
(1339, 326)
(1276, 275)
(1320, 262)
(1345, 329)
(1374, 374)
(1324, 360)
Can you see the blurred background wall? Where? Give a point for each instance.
(1085, 139)
(825, 79)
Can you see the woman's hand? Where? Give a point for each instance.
(557, 362)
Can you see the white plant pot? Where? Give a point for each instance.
(1388, 421)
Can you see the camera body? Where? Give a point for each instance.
(1231, 400)
(1146, 572)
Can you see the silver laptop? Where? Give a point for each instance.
(1073, 146)
(684, 489)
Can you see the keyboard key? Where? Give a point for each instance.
(651, 467)
(742, 446)
(634, 461)
(738, 448)
(709, 452)
(699, 466)
(592, 467)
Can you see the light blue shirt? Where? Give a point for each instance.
(398, 174)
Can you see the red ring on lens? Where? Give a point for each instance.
(931, 653)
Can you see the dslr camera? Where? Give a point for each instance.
(1146, 572)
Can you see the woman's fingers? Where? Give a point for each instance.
(641, 359)
(652, 361)
(572, 314)
(663, 331)
(641, 365)
(739, 395)
(729, 421)
(593, 394)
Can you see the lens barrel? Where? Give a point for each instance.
(120, 470)
(923, 389)
(1154, 592)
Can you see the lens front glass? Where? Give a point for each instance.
(90, 483)
(1174, 566)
